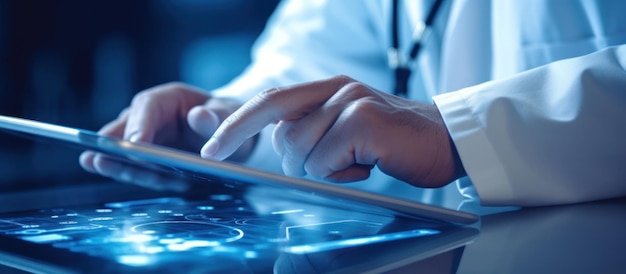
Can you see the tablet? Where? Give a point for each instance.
(216, 172)
(231, 218)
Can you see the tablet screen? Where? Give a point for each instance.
(213, 232)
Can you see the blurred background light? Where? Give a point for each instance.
(79, 63)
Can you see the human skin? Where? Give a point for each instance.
(174, 115)
(338, 129)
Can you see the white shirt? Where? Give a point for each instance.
(550, 135)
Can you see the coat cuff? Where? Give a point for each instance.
(478, 156)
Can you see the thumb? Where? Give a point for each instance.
(203, 120)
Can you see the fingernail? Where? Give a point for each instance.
(134, 138)
(210, 148)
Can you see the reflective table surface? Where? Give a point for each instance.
(581, 238)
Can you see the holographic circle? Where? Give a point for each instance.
(213, 218)
(191, 230)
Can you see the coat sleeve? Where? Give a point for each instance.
(311, 40)
(551, 135)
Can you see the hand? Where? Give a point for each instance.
(338, 129)
(174, 115)
(141, 174)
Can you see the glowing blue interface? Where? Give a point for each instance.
(246, 232)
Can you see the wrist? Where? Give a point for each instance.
(459, 170)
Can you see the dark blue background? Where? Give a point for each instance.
(78, 63)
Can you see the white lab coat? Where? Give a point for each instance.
(546, 136)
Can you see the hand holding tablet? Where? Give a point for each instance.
(220, 173)
(242, 211)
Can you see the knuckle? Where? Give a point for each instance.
(315, 169)
(174, 86)
(291, 138)
(124, 113)
(268, 95)
(231, 119)
(142, 97)
(161, 91)
(353, 90)
(312, 169)
(364, 106)
(362, 112)
(269, 98)
(342, 79)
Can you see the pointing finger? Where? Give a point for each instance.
(269, 106)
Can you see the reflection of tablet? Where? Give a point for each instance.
(236, 219)
(215, 171)
(434, 254)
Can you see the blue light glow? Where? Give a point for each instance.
(135, 238)
(151, 249)
(171, 241)
(46, 238)
(186, 245)
(251, 254)
(101, 219)
(287, 211)
(221, 197)
(134, 260)
(325, 246)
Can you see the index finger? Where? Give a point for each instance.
(269, 106)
